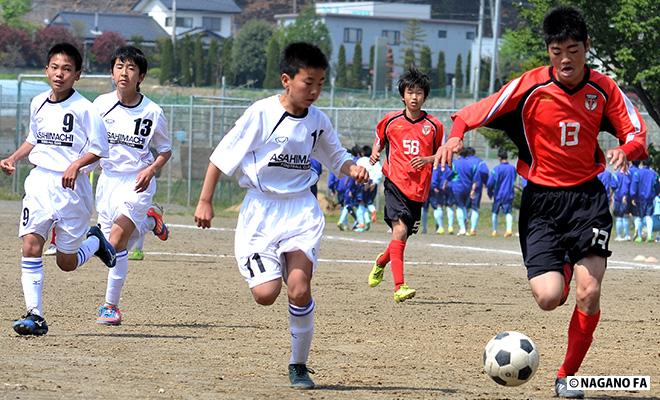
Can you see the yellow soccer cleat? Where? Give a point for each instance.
(493, 234)
(508, 234)
(376, 274)
(404, 293)
(450, 230)
(440, 231)
(136, 255)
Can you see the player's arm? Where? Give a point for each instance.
(204, 211)
(624, 119)
(144, 177)
(71, 173)
(8, 165)
(378, 141)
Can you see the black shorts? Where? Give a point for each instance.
(559, 224)
(399, 207)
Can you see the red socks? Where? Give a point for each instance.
(385, 258)
(396, 249)
(580, 336)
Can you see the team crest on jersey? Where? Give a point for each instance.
(109, 121)
(426, 129)
(281, 139)
(590, 101)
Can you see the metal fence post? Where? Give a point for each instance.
(190, 145)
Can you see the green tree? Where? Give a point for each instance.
(183, 51)
(164, 46)
(272, 80)
(225, 62)
(372, 59)
(425, 60)
(442, 71)
(468, 67)
(355, 77)
(249, 52)
(213, 62)
(199, 66)
(409, 59)
(12, 12)
(484, 80)
(341, 79)
(624, 38)
(413, 37)
(307, 27)
(458, 72)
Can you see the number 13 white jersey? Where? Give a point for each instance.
(131, 131)
(272, 149)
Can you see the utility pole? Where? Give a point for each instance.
(496, 33)
(174, 29)
(480, 34)
(295, 6)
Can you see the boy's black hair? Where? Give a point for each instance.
(69, 50)
(356, 151)
(563, 23)
(366, 150)
(301, 55)
(132, 53)
(647, 162)
(502, 153)
(635, 163)
(471, 151)
(414, 78)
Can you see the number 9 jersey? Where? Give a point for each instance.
(131, 131)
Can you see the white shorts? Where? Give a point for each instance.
(271, 225)
(116, 195)
(46, 203)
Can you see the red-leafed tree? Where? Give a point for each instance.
(16, 48)
(49, 36)
(104, 46)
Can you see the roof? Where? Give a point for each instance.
(216, 6)
(127, 25)
(382, 18)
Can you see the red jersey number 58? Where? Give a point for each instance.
(411, 146)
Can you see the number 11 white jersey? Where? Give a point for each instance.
(131, 131)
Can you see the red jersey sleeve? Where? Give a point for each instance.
(622, 119)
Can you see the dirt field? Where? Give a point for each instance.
(192, 331)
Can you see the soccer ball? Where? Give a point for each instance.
(511, 358)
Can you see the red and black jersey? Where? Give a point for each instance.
(556, 128)
(404, 139)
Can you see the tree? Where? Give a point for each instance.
(184, 53)
(372, 59)
(12, 12)
(167, 72)
(199, 66)
(425, 60)
(213, 62)
(272, 80)
(16, 47)
(409, 59)
(341, 79)
(307, 27)
(355, 78)
(624, 38)
(249, 52)
(225, 61)
(47, 37)
(413, 36)
(458, 71)
(442, 71)
(468, 67)
(104, 46)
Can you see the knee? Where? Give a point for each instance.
(66, 267)
(588, 295)
(299, 295)
(264, 299)
(547, 301)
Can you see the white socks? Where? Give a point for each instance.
(32, 279)
(87, 249)
(116, 278)
(301, 326)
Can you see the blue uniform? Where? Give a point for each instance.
(318, 168)
(500, 187)
(643, 188)
(462, 180)
(621, 182)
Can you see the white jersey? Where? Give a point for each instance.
(64, 131)
(131, 131)
(272, 149)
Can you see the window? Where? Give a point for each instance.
(181, 22)
(352, 35)
(442, 34)
(393, 37)
(469, 35)
(212, 24)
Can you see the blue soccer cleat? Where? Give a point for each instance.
(106, 252)
(31, 324)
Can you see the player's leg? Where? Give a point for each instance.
(508, 218)
(474, 215)
(137, 253)
(32, 281)
(626, 227)
(397, 248)
(493, 218)
(155, 221)
(52, 248)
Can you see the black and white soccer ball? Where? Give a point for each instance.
(511, 358)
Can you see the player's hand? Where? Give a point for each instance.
(204, 214)
(446, 152)
(8, 166)
(69, 176)
(143, 180)
(359, 174)
(374, 157)
(618, 159)
(418, 162)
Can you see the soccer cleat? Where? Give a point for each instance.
(508, 234)
(404, 293)
(160, 229)
(106, 252)
(450, 231)
(136, 255)
(299, 376)
(472, 233)
(440, 231)
(461, 232)
(561, 390)
(374, 217)
(341, 226)
(493, 234)
(51, 250)
(376, 274)
(31, 324)
(638, 239)
(568, 275)
(108, 314)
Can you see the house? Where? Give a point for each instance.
(364, 22)
(192, 16)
